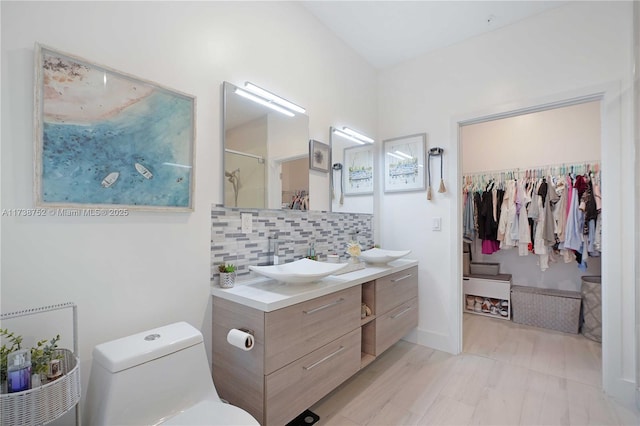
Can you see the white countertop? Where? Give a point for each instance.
(268, 295)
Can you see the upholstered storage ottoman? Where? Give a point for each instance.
(547, 308)
(484, 268)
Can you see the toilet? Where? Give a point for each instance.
(160, 376)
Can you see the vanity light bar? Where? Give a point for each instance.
(347, 136)
(357, 135)
(265, 102)
(273, 97)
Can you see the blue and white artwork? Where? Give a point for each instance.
(358, 162)
(110, 139)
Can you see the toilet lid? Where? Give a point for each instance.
(213, 413)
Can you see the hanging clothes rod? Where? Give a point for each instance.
(245, 154)
(580, 168)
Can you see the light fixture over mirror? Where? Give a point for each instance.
(274, 98)
(264, 149)
(265, 102)
(352, 135)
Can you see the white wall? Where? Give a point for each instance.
(130, 274)
(575, 50)
(568, 134)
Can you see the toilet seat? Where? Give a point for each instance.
(213, 413)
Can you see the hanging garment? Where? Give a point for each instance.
(468, 233)
(477, 206)
(573, 237)
(549, 234)
(597, 243)
(524, 233)
(507, 199)
(515, 225)
(559, 217)
(539, 246)
(487, 223)
(597, 196)
(590, 210)
(569, 195)
(486, 217)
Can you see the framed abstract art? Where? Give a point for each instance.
(106, 138)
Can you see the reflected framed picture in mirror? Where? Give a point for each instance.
(404, 160)
(358, 170)
(319, 156)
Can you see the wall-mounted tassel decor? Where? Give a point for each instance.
(338, 167)
(442, 187)
(435, 152)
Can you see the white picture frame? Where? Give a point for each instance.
(319, 156)
(358, 170)
(404, 163)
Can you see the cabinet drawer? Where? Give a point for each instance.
(395, 289)
(294, 388)
(487, 288)
(395, 324)
(297, 330)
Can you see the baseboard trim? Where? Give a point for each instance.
(624, 392)
(431, 339)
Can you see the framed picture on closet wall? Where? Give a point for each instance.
(358, 167)
(404, 163)
(105, 138)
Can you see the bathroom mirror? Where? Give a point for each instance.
(342, 198)
(265, 154)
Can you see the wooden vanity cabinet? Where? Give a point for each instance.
(297, 330)
(304, 351)
(396, 308)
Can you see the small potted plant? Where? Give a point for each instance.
(227, 275)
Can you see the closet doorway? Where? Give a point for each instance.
(545, 143)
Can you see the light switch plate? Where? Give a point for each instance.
(436, 224)
(247, 222)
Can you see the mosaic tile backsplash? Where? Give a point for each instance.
(330, 233)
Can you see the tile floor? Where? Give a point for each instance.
(509, 374)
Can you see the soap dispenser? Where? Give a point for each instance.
(19, 371)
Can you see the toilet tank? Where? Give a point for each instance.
(148, 377)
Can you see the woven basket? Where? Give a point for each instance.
(45, 403)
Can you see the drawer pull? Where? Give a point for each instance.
(328, 305)
(342, 348)
(399, 314)
(402, 278)
(465, 279)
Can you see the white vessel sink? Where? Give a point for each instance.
(300, 271)
(376, 255)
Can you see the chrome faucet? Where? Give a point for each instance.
(274, 245)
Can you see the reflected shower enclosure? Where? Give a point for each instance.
(244, 180)
(258, 142)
